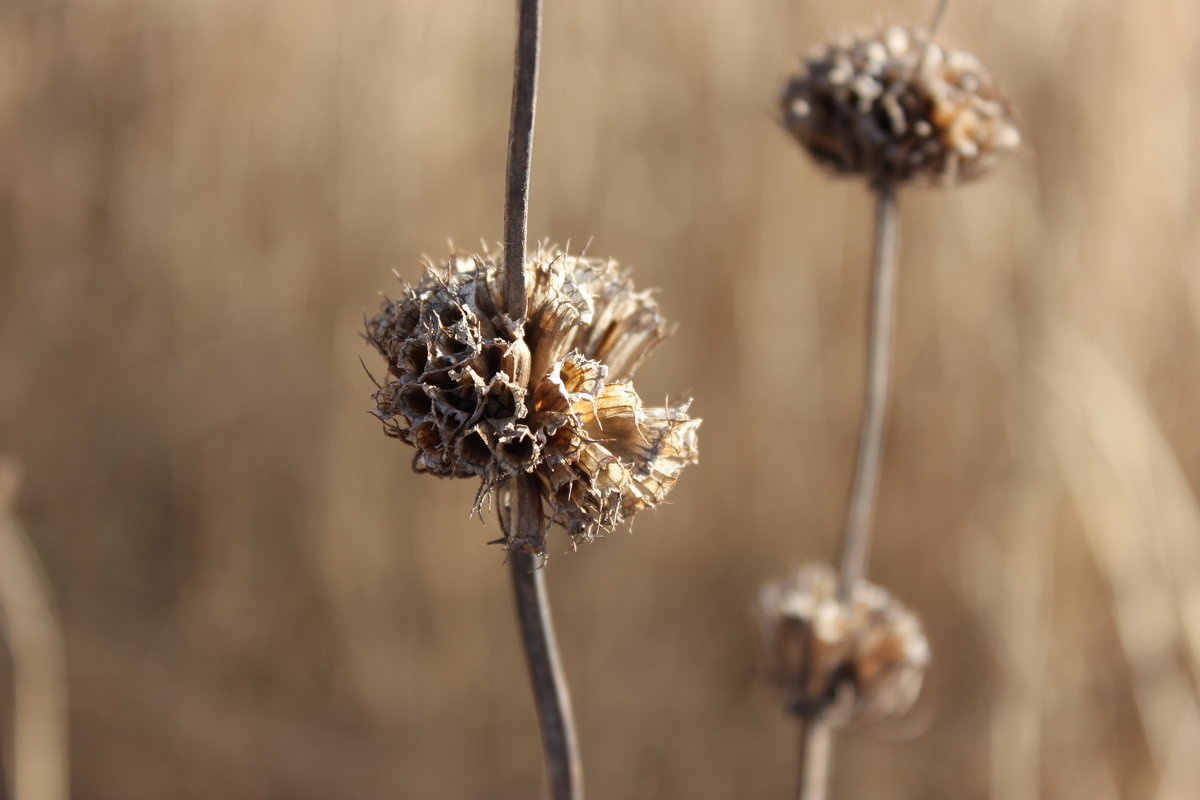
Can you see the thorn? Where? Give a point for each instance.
(367, 370)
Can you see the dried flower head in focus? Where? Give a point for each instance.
(891, 105)
(480, 396)
(815, 644)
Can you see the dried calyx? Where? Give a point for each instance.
(816, 646)
(481, 395)
(892, 105)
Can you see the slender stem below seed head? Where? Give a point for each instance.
(816, 730)
(564, 770)
(526, 523)
(816, 757)
(520, 155)
(856, 539)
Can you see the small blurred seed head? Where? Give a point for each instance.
(890, 105)
(478, 396)
(815, 645)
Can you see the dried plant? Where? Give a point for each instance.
(891, 104)
(894, 108)
(515, 371)
(480, 396)
(817, 646)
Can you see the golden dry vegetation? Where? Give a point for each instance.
(199, 201)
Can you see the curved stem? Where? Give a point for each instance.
(856, 539)
(560, 743)
(520, 154)
(816, 731)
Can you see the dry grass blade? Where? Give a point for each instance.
(1012, 580)
(39, 763)
(1141, 519)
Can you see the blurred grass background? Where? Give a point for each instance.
(199, 201)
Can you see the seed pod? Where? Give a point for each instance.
(815, 645)
(480, 397)
(893, 106)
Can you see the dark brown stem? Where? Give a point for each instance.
(816, 757)
(856, 539)
(520, 154)
(560, 744)
(526, 524)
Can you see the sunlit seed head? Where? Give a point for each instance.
(552, 400)
(891, 106)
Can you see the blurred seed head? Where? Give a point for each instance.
(889, 104)
(815, 645)
(480, 396)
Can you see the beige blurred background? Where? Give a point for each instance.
(200, 200)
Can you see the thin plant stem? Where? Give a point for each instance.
(526, 522)
(939, 14)
(564, 770)
(816, 757)
(856, 539)
(934, 24)
(816, 730)
(520, 155)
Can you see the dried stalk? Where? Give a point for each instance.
(520, 154)
(856, 539)
(526, 522)
(834, 132)
(935, 24)
(28, 623)
(816, 757)
(816, 732)
(559, 741)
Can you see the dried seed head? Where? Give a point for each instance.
(895, 107)
(479, 396)
(815, 645)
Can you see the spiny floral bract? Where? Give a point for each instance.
(480, 396)
(891, 105)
